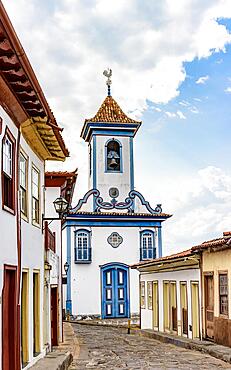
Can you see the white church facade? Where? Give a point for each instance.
(113, 226)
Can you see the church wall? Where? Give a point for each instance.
(104, 180)
(86, 278)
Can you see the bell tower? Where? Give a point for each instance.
(110, 135)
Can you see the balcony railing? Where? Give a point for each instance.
(49, 238)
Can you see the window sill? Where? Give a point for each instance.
(108, 171)
(83, 262)
(10, 210)
(24, 217)
(36, 225)
(222, 316)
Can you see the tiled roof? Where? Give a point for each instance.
(186, 253)
(110, 111)
(122, 214)
(61, 173)
(224, 241)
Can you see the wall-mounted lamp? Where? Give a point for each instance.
(66, 267)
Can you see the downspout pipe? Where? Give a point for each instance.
(19, 251)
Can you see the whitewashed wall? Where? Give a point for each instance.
(52, 193)
(8, 241)
(107, 180)
(32, 238)
(178, 276)
(86, 284)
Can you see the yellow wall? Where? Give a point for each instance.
(215, 262)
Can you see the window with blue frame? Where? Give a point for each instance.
(82, 246)
(147, 245)
(113, 156)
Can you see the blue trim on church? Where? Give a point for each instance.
(89, 127)
(68, 297)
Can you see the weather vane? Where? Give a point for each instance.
(108, 74)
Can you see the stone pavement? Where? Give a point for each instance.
(61, 356)
(112, 348)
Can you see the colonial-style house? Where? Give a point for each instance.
(216, 288)
(57, 184)
(29, 135)
(113, 225)
(170, 297)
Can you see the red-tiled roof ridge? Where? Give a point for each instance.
(184, 253)
(110, 111)
(122, 214)
(225, 240)
(227, 233)
(62, 173)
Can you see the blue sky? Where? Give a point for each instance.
(171, 69)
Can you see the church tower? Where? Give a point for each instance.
(110, 134)
(112, 226)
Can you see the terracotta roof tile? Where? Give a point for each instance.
(185, 253)
(225, 240)
(121, 214)
(110, 111)
(61, 173)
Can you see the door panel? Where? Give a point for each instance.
(209, 306)
(9, 314)
(155, 305)
(54, 316)
(195, 310)
(115, 292)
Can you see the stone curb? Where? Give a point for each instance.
(218, 351)
(95, 323)
(56, 360)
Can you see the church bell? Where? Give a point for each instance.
(112, 164)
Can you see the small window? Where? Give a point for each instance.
(149, 291)
(142, 294)
(35, 195)
(23, 178)
(8, 178)
(113, 156)
(147, 247)
(223, 294)
(82, 246)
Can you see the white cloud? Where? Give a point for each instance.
(157, 109)
(170, 114)
(180, 114)
(228, 90)
(202, 79)
(200, 205)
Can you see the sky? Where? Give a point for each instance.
(171, 69)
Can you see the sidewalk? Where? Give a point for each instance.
(61, 357)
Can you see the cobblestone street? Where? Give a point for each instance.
(112, 348)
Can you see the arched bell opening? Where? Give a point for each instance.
(113, 156)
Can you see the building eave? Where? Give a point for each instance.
(108, 126)
(19, 77)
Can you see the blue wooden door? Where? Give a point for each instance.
(115, 294)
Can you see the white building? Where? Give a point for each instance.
(29, 135)
(112, 226)
(57, 184)
(170, 294)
